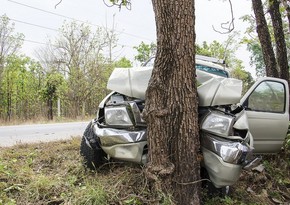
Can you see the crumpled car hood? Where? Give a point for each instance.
(212, 90)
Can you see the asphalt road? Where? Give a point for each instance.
(12, 135)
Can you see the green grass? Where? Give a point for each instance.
(52, 173)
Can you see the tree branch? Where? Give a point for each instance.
(57, 4)
(119, 3)
(231, 24)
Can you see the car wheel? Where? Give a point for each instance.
(90, 149)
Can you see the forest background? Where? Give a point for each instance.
(67, 78)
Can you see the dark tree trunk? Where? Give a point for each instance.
(171, 104)
(9, 97)
(265, 39)
(50, 109)
(9, 106)
(279, 39)
(287, 8)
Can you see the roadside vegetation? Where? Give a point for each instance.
(58, 85)
(43, 120)
(52, 173)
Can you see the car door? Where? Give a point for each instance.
(267, 107)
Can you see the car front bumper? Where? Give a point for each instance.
(123, 144)
(220, 173)
(129, 146)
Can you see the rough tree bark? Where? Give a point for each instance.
(265, 39)
(171, 104)
(279, 39)
(287, 7)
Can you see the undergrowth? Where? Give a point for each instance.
(52, 173)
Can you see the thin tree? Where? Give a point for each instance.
(265, 39)
(281, 50)
(286, 4)
(10, 42)
(50, 91)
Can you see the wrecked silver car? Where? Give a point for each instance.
(231, 127)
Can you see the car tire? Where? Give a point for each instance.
(91, 150)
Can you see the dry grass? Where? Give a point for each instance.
(52, 173)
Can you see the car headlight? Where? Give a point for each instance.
(117, 116)
(217, 123)
(229, 151)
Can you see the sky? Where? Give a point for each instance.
(39, 21)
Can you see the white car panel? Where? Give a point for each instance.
(267, 109)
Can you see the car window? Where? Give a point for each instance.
(269, 96)
(212, 70)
